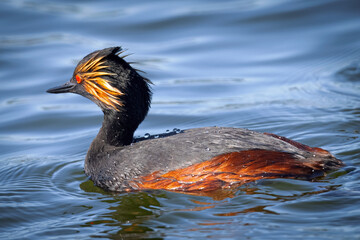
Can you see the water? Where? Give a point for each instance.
(286, 67)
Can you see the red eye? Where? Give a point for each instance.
(78, 79)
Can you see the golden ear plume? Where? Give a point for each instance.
(94, 82)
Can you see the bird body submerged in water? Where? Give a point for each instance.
(202, 159)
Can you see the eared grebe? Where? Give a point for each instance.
(202, 159)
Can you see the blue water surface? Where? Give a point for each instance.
(281, 66)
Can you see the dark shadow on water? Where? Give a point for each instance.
(126, 212)
(350, 72)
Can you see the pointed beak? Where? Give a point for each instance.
(67, 87)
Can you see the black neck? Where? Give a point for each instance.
(116, 130)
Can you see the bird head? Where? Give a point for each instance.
(108, 80)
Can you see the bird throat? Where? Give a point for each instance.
(116, 130)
